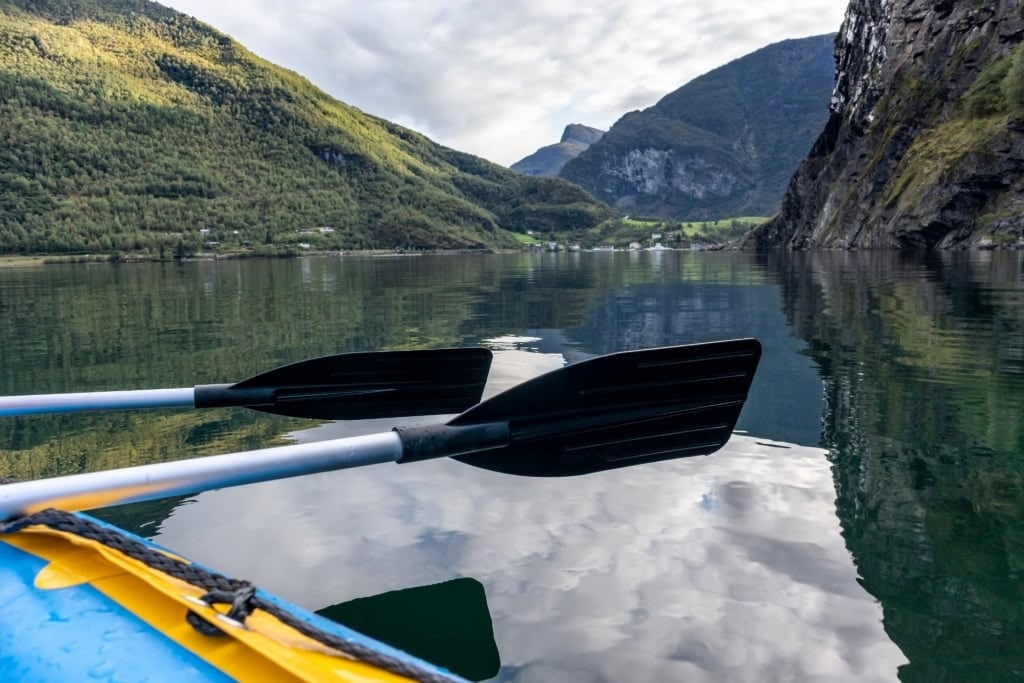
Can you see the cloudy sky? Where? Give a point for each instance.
(502, 78)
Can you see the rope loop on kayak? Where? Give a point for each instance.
(243, 597)
(202, 625)
(241, 608)
(240, 601)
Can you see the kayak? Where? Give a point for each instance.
(81, 599)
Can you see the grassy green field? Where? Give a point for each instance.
(20, 261)
(621, 232)
(528, 240)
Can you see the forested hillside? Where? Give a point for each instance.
(130, 127)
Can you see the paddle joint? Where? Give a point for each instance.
(445, 440)
(227, 395)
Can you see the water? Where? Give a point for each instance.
(866, 524)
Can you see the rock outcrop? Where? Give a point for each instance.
(923, 146)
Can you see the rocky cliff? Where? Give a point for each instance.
(723, 145)
(923, 146)
(548, 161)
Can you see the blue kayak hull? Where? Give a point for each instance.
(74, 610)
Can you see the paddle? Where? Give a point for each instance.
(606, 412)
(347, 386)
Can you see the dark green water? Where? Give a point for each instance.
(868, 524)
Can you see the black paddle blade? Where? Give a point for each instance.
(619, 410)
(359, 386)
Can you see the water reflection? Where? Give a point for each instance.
(729, 567)
(896, 378)
(447, 624)
(922, 360)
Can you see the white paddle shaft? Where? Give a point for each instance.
(146, 482)
(38, 404)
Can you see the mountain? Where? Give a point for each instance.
(548, 161)
(130, 127)
(724, 144)
(924, 145)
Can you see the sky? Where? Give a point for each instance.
(502, 78)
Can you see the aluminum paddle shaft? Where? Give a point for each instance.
(40, 404)
(146, 482)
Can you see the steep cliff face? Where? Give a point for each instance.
(725, 144)
(923, 146)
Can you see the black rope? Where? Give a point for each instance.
(220, 589)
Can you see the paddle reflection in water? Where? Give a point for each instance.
(729, 567)
(446, 623)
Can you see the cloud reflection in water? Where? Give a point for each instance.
(727, 567)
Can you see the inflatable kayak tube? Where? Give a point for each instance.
(82, 600)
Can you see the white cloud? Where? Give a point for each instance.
(500, 79)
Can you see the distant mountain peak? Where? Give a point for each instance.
(548, 161)
(577, 132)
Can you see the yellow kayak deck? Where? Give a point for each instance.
(72, 576)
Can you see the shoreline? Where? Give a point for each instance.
(33, 261)
(22, 261)
(38, 260)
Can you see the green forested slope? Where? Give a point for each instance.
(127, 126)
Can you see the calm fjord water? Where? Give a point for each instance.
(867, 524)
